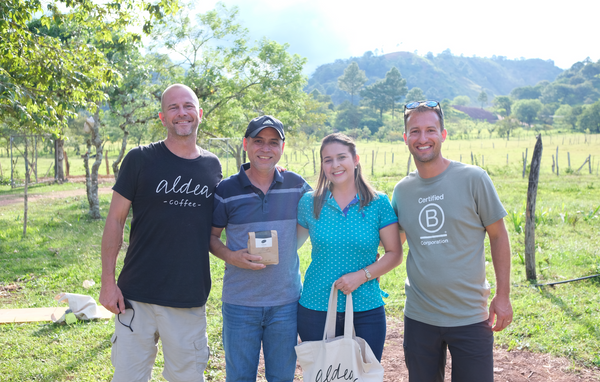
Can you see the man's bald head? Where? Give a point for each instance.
(180, 86)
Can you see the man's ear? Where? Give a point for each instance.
(162, 118)
(200, 115)
(282, 146)
(245, 144)
(444, 133)
(405, 140)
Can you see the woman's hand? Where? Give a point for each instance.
(349, 282)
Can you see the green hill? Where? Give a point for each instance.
(441, 76)
(580, 84)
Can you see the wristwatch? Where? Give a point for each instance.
(367, 273)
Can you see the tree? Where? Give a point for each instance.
(396, 87)
(415, 94)
(589, 120)
(384, 94)
(134, 101)
(526, 92)
(462, 100)
(43, 78)
(348, 116)
(352, 80)
(482, 98)
(546, 114)
(526, 110)
(503, 105)
(314, 123)
(49, 69)
(562, 118)
(377, 96)
(506, 126)
(234, 81)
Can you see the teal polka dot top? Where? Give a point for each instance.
(343, 241)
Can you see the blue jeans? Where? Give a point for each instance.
(369, 325)
(245, 327)
(471, 347)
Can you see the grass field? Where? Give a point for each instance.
(62, 249)
(391, 159)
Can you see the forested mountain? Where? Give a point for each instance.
(577, 85)
(441, 76)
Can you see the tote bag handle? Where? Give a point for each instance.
(329, 332)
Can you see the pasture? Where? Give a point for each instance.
(62, 249)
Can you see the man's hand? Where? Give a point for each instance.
(110, 296)
(243, 259)
(500, 310)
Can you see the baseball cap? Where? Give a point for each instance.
(259, 123)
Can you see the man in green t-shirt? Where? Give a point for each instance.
(445, 209)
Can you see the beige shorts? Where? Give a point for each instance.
(184, 342)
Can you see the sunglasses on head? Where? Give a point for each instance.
(416, 104)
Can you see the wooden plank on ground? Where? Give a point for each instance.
(40, 314)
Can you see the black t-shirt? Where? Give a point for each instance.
(167, 262)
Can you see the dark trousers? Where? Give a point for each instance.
(369, 325)
(471, 347)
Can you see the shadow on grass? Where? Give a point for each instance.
(84, 354)
(579, 318)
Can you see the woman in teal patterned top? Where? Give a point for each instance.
(346, 220)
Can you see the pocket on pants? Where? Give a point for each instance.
(113, 350)
(202, 354)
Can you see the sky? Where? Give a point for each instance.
(326, 30)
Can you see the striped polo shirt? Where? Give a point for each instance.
(240, 207)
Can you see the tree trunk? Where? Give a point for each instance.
(67, 162)
(115, 164)
(91, 177)
(25, 206)
(534, 175)
(237, 150)
(60, 172)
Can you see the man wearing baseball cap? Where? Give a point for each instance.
(259, 301)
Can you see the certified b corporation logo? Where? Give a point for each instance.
(431, 218)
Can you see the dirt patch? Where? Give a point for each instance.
(509, 366)
(105, 187)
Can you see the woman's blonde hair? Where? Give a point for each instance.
(366, 192)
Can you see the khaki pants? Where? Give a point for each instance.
(184, 341)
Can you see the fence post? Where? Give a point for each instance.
(524, 161)
(106, 161)
(534, 175)
(408, 165)
(392, 158)
(372, 162)
(556, 160)
(569, 159)
(590, 163)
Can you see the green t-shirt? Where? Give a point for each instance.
(444, 219)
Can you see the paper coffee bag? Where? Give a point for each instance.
(264, 243)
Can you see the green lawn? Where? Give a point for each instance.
(62, 249)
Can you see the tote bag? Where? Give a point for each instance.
(343, 358)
